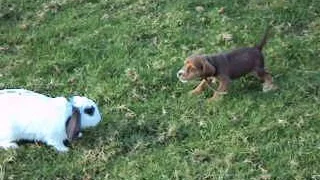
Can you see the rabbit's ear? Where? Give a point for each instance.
(73, 124)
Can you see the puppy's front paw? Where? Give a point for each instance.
(195, 92)
(269, 87)
(214, 99)
(217, 96)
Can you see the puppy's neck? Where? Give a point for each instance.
(213, 62)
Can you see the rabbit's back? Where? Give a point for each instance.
(32, 117)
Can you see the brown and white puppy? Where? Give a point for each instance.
(226, 67)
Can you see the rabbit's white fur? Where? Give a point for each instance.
(83, 104)
(32, 116)
(79, 102)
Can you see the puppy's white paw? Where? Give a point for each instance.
(266, 87)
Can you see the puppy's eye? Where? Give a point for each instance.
(90, 110)
(190, 69)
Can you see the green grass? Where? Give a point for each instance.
(125, 54)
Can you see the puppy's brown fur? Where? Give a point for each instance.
(226, 67)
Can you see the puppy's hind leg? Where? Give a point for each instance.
(268, 84)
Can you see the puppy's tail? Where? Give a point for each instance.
(264, 39)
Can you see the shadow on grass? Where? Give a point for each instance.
(130, 135)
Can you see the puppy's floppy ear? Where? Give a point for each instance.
(207, 69)
(73, 124)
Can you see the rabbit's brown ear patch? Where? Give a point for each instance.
(73, 124)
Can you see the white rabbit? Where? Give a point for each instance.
(90, 114)
(26, 115)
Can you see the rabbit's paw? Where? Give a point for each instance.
(59, 146)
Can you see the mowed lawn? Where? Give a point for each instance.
(125, 55)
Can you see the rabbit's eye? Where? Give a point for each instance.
(90, 110)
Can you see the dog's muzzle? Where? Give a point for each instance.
(179, 76)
